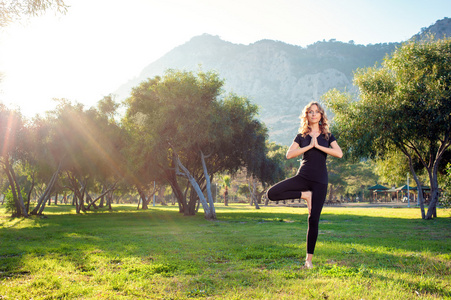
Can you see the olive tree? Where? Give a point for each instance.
(13, 134)
(405, 104)
(185, 131)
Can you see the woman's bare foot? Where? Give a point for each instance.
(307, 196)
(308, 264)
(308, 261)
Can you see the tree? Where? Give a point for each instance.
(405, 104)
(13, 134)
(108, 107)
(87, 147)
(14, 9)
(45, 160)
(186, 131)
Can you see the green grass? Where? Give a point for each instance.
(362, 253)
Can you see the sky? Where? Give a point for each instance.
(98, 45)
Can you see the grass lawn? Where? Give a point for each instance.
(362, 253)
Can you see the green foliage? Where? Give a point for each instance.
(183, 117)
(13, 134)
(404, 105)
(107, 106)
(407, 100)
(392, 168)
(278, 153)
(10, 204)
(243, 189)
(445, 199)
(226, 181)
(84, 139)
(350, 178)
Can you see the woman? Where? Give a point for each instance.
(314, 141)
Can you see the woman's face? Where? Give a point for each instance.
(313, 114)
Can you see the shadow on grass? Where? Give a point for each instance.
(162, 241)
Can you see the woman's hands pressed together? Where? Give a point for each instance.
(295, 149)
(314, 141)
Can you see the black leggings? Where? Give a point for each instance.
(292, 188)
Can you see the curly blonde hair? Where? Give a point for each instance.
(305, 129)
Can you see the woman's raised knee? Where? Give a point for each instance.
(270, 194)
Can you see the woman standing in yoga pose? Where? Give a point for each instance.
(314, 141)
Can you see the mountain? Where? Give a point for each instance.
(441, 29)
(280, 78)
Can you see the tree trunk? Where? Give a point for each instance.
(417, 181)
(266, 198)
(432, 168)
(102, 200)
(21, 203)
(46, 193)
(171, 177)
(161, 195)
(41, 208)
(89, 201)
(192, 207)
(29, 195)
(226, 197)
(77, 203)
(208, 187)
(197, 206)
(111, 189)
(76, 185)
(432, 209)
(12, 184)
(82, 196)
(331, 193)
(209, 213)
(143, 198)
(260, 196)
(251, 183)
(152, 193)
(110, 200)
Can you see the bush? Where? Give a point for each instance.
(9, 201)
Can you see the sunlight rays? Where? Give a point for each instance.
(8, 129)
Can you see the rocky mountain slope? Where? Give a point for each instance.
(279, 77)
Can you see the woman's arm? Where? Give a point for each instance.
(295, 150)
(335, 150)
